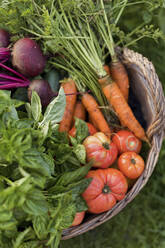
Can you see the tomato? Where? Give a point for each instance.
(126, 141)
(131, 164)
(100, 150)
(92, 130)
(106, 188)
(78, 218)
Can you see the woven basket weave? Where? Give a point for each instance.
(148, 90)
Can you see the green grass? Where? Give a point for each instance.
(140, 225)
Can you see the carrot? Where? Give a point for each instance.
(120, 105)
(92, 121)
(92, 107)
(69, 88)
(79, 111)
(107, 69)
(120, 76)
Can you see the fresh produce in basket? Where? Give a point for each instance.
(107, 187)
(79, 111)
(56, 149)
(131, 164)
(126, 141)
(78, 218)
(100, 150)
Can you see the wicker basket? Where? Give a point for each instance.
(148, 90)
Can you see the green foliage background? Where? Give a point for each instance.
(141, 223)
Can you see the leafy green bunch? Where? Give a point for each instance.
(41, 177)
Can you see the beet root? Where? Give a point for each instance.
(28, 58)
(4, 38)
(43, 89)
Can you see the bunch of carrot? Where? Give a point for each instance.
(78, 108)
(111, 88)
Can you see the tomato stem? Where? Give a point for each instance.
(106, 189)
(106, 145)
(133, 161)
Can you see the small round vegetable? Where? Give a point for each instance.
(4, 38)
(100, 150)
(131, 164)
(43, 89)
(78, 218)
(28, 58)
(126, 141)
(91, 129)
(106, 188)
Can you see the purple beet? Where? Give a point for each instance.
(43, 89)
(4, 38)
(28, 58)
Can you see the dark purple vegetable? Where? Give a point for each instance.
(4, 38)
(43, 89)
(28, 58)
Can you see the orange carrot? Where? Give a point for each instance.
(120, 76)
(107, 69)
(120, 105)
(92, 121)
(79, 111)
(69, 88)
(92, 107)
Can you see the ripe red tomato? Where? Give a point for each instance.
(92, 130)
(78, 218)
(126, 141)
(106, 188)
(100, 150)
(131, 164)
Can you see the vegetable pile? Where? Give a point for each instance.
(70, 143)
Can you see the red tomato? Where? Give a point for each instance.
(107, 187)
(131, 164)
(92, 130)
(126, 141)
(100, 150)
(78, 218)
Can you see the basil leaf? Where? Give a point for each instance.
(81, 130)
(80, 153)
(36, 108)
(21, 237)
(74, 176)
(37, 161)
(28, 109)
(35, 203)
(55, 110)
(40, 224)
(81, 204)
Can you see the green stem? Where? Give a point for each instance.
(111, 43)
(121, 11)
